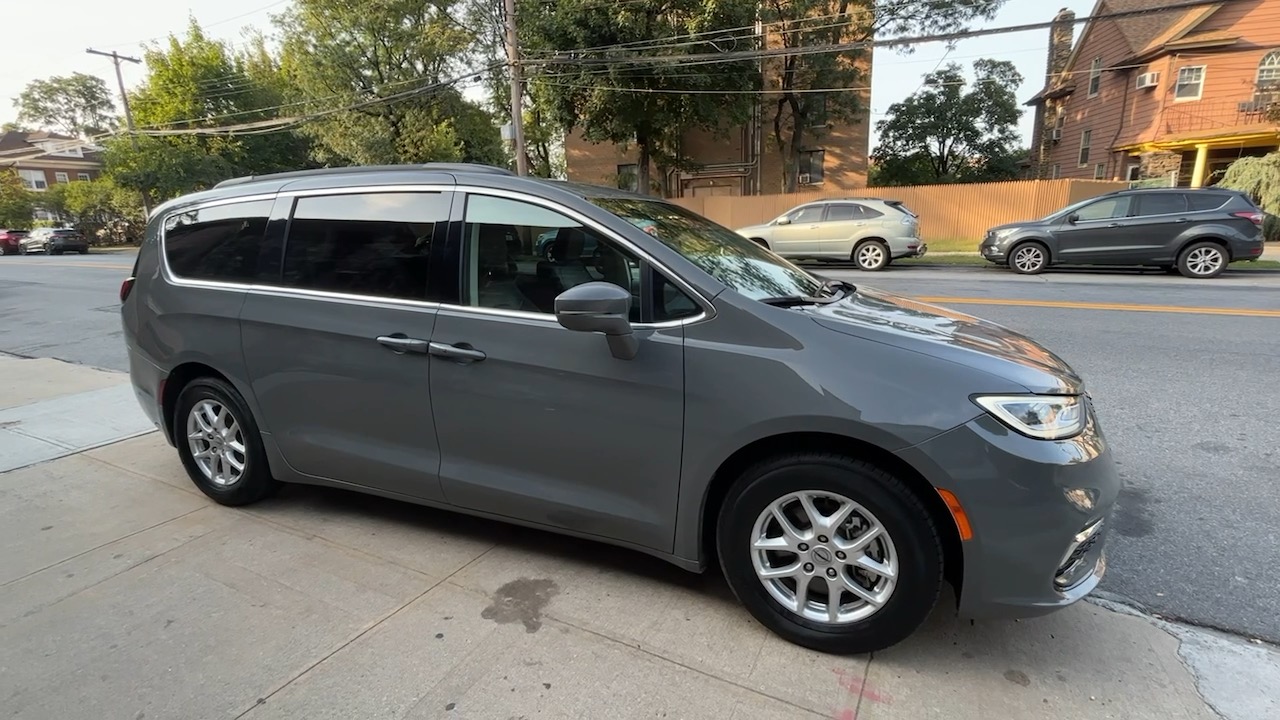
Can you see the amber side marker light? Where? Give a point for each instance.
(957, 513)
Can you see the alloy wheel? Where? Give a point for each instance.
(1029, 258)
(871, 256)
(1204, 261)
(824, 557)
(216, 442)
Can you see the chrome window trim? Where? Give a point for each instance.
(273, 289)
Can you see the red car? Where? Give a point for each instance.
(9, 240)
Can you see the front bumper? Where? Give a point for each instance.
(1040, 512)
(992, 251)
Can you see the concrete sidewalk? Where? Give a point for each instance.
(124, 593)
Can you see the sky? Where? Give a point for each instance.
(124, 25)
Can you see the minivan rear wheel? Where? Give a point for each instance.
(219, 443)
(830, 553)
(871, 255)
(1203, 260)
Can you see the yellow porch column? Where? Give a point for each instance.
(1202, 162)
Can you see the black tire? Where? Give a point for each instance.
(83, 251)
(871, 255)
(760, 242)
(1029, 258)
(255, 481)
(1203, 260)
(901, 514)
(22, 249)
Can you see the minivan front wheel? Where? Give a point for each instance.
(871, 255)
(1029, 258)
(1203, 260)
(830, 553)
(219, 444)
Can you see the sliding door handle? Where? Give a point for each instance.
(401, 343)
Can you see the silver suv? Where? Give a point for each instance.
(837, 452)
(869, 231)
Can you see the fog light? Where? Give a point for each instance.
(1074, 567)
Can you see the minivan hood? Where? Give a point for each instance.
(902, 322)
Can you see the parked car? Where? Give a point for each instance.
(838, 451)
(1196, 232)
(54, 241)
(870, 232)
(10, 241)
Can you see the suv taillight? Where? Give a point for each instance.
(1253, 217)
(125, 288)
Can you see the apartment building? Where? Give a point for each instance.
(1165, 96)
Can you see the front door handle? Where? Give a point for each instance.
(1182, 220)
(460, 353)
(401, 343)
(1113, 225)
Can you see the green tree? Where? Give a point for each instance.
(78, 105)
(953, 130)
(646, 104)
(1259, 177)
(392, 59)
(16, 205)
(195, 85)
(797, 113)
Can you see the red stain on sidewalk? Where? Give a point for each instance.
(860, 689)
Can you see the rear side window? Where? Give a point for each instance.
(375, 244)
(1206, 200)
(841, 213)
(1162, 204)
(216, 243)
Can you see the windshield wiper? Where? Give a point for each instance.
(797, 300)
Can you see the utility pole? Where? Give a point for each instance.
(513, 64)
(124, 99)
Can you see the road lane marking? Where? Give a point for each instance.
(1126, 307)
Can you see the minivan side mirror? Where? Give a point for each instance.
(600, 307)
(784, 220)
(1073, 218)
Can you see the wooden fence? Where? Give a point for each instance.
(958, 213)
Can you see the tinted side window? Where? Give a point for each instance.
(869, 213)
(374, 244)
(1162, 204)
(842, 213)
(1199, 201)
(216, 243)
(1106, 209)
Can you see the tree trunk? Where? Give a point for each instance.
(642, 168)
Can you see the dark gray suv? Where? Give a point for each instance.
(838, 452)
(1196, 232)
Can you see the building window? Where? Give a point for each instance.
(1190, 83)
(82, 176)
(1086, 137)
(629, 177)
(810, 170)
(1100, 171)
(1056, 173)
(1267, 89)
(34, 179)
(1134, 172)
(61, 177)
(1095, 76)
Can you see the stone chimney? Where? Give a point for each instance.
(1061, 35)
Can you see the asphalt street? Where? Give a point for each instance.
(1186, 376)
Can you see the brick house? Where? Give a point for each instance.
(743, 160)
(43, 159)
(1172, 96)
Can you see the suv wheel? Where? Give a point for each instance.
(830, 553)
(1029, 258)
(1202, 260)
(219, 444)
(871, 255)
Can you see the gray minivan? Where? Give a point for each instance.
(838, 452)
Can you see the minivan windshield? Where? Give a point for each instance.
(739, 263)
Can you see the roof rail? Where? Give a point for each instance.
(439, 167)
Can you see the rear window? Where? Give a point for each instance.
(1207, 200)
(216, 243)
(897, 205)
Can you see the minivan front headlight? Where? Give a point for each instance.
(1043, 417)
